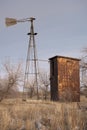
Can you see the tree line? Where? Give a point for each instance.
(12, 83)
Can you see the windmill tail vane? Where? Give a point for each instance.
(12, 21)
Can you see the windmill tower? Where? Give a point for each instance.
(31, 70)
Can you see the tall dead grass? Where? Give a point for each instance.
(38, 115)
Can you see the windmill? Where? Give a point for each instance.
(31, 70)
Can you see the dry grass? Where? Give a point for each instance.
(41, 115)
(83, 98)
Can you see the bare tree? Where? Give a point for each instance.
(44, 83)
(83, 65)
(83, 68)
(31, 88)
(11, 80)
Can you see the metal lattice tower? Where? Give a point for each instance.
(31, 70)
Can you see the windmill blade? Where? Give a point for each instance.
(10, 21)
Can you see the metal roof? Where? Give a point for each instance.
(57, 56)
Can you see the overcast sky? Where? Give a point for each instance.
(61, 26)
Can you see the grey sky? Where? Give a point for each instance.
(61, 26)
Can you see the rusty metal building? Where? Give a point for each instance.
(64, 79)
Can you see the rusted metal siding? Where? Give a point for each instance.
(64, 79)
(68, 79)
(54, 79)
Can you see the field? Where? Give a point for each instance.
(42, 115)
